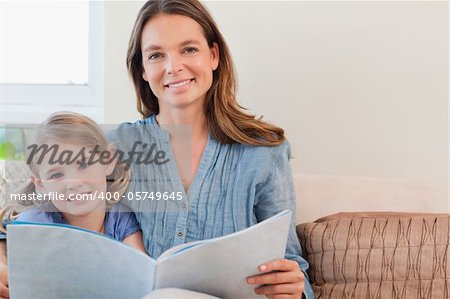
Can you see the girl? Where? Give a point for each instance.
(78, 187)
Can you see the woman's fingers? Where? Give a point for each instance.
(275, 289)
(279, 265)
(281, 279)
(276, 278)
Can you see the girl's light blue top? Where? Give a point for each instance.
(120, 222)
(235, 186)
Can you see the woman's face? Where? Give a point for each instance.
(178, 63)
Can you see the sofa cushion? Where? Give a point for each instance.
(378, 255)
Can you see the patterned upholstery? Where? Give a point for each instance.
(378, 255)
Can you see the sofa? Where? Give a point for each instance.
(400, 249)
(363, 237)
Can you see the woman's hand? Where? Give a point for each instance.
(283, 279)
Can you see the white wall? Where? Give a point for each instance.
(360, 87)
(120, 103)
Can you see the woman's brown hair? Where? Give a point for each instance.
(226, 119)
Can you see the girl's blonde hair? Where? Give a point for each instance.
(226, 119)
(67, 127)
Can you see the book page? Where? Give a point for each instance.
(220, 267)
(180, 248)
(56, 261)
(172, 293)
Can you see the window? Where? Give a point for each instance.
(51, 59)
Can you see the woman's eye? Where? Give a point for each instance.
(56, 176)
(154, 56)
(191, 50)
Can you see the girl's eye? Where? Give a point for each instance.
(191, 50)
(56, 176)
(83, 165)
(154, 56)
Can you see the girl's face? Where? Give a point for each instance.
(178, 63)
(75, 180)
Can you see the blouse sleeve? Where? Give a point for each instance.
(121, 222)
(276, 194)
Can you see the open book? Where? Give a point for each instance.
(60, 261)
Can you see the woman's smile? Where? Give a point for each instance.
(180, 86)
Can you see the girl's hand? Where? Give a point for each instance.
(4, 290)
(283, 279)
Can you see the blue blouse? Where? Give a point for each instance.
(235, 186)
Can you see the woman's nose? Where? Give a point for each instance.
(174, 64)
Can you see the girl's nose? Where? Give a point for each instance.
(73, 184)
(174, 64)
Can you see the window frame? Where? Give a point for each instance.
(31, 103)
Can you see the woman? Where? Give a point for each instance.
(239, 170)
